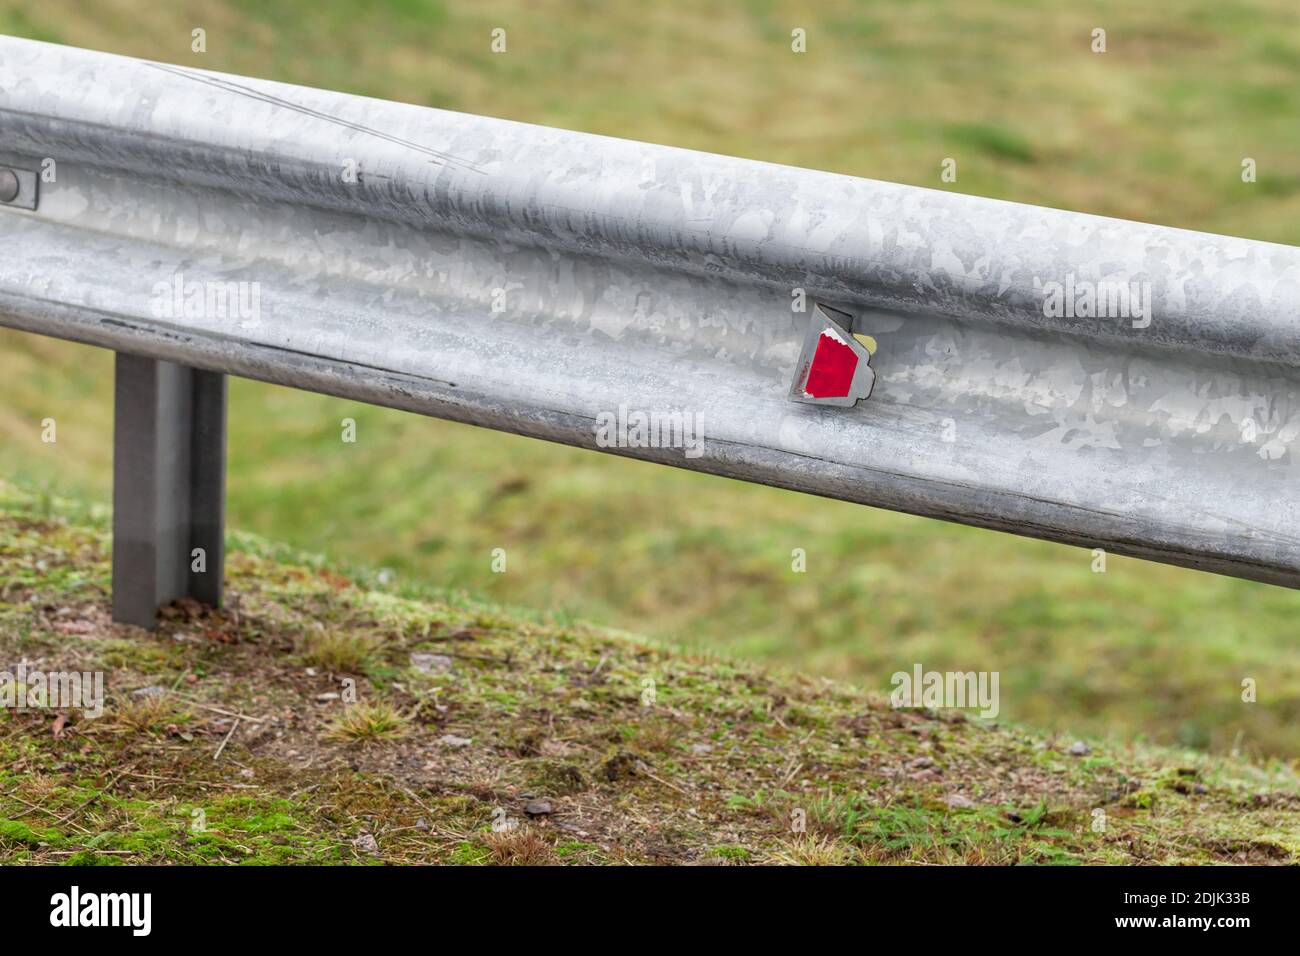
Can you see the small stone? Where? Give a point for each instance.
(427, 663)
(959, 801)
(452, 740)
(147, 693)
(921, 763)
(538, 808)
(1079, 749)
(366, 843)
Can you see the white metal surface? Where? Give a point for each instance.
(534, 280)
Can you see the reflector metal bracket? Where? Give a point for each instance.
(834, 368)
(18, 187)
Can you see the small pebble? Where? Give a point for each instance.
(427, 663)
(366, 843)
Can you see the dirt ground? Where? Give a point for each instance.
(318, 719)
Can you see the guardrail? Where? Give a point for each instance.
(1104, 383)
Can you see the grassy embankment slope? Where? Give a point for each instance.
(225, 739)
(1153, 129)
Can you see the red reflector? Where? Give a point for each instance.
(832, 369)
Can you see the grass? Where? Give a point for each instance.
(1153, 129)
(148, 716)
(341, 653)
(534, 744)
(368, 720)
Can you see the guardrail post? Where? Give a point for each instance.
(169, 481)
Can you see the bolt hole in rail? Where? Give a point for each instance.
(1086, 380)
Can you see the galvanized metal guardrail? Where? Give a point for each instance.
(1105, 383)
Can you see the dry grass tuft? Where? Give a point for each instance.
(519, 846)
(373, 720)
(812, 851)
(339, 652)
(144, 715)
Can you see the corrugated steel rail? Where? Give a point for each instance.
(532, 280)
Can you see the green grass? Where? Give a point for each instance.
(1154, 129)
(536, 744)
